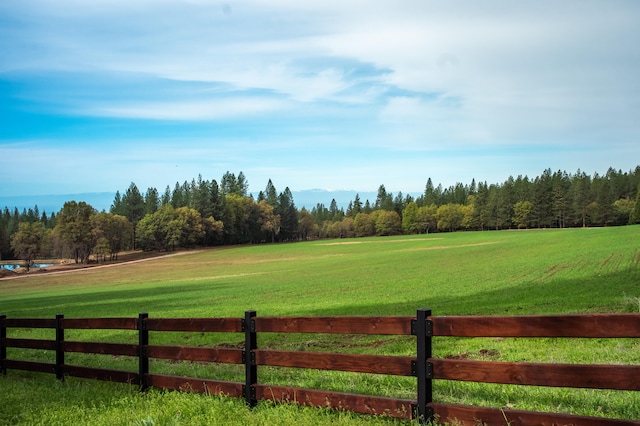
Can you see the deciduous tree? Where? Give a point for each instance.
(522, 214)
(27, 243)
(75, 229)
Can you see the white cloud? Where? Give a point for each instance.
(365, 78)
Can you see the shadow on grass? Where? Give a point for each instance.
(604, 293)
(601, 294)
(114, 303)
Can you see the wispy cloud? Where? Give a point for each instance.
(191, 110)
(370, 91)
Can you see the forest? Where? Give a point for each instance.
(207, 213)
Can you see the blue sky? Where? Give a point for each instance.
(313, 94)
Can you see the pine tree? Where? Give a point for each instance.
(635, 213)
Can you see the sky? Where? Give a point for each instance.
(313, 94)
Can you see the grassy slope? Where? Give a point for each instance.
(527, 272)
(557, 271)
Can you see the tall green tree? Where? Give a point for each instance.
(430, 194)
(480, 201)
(5, 240)
(151, 201)
(384, 200)
(114, 232)
(427, 218)
(288, 216)
(410, 222)
(561, 199)
(28, 242)
(450, 216)
(307, 226)
(387, 222)
(75, 229)
(581, 198)
(202, 197)
(522, 214)
(133, 207)
(364, 225)
(177, 196)
(271, 195)
(634, 218)
(269, 221)
(230, 184)
(543, 199)
(356, 207)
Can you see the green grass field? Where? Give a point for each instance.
(473, 273)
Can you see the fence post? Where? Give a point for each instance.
(3, 344)
(60, 347)
(423, 369)
(143, 359)
(249, 357)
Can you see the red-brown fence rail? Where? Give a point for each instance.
(422, 366)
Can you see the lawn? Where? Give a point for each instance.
(465, 273)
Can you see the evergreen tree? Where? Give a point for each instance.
(504, 204)
(202, 198)
(430, 194)
(288, 216)
(166, 197)
(116, 207)
(151, 201)
(384, 200)
(216, 200)
(542, 200)
(398, 203)
(271, 195)
(581, 198)
(355, 206)
(480, 203)
(635, 213)
(177, 197)
(232, 185)
(133, 208)
(335, 214)
(561, 198)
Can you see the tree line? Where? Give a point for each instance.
(206, 213)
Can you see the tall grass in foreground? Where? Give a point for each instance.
(503, 273)
(31, 400)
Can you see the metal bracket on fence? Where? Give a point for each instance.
(252, 357)
(252, 325)
(428, 328)
(422, 418)
(252, 391)
(428, 369)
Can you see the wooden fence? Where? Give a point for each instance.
(422, 366)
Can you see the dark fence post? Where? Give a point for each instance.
(3, 345)
(249, 358)
(423, 369)
(143, 359)
(60, 347)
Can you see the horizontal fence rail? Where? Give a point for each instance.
(422, 365)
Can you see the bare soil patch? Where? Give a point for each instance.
(66, 265)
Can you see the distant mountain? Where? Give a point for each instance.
(307, 198)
